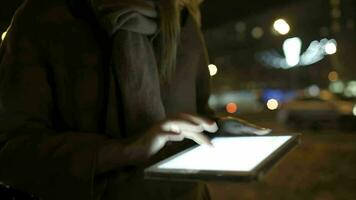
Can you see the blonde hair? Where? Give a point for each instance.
(170, 32)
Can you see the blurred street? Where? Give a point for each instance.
(322, 167)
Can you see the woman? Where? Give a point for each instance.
(91, 90)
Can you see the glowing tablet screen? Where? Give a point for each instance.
(228, 154)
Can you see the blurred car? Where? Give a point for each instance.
(314, 112)
(347, 112)
(244, 101)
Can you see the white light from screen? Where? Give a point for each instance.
(291, 49)
(228, 154)
(272, 104)
(213, 69)
(330, 47)
(354, 110)
(3, 35)
(281, 26)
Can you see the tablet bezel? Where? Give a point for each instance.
(153, 172)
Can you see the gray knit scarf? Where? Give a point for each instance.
(133, 68)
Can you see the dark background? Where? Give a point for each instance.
(306, 18)
(323, 166)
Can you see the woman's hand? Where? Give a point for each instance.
(178, 128)
(237, 126)
(175, 129)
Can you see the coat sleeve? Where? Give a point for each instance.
(33, 156)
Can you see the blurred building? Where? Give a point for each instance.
(236, 45)
(239, 32)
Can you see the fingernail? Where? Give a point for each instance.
(211, 144)
(263, 131)
(211, 127)
(214, 127)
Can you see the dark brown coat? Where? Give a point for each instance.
(56, 98)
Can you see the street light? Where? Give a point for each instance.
(291, 49)
(281, 26)
(213, 70)
(272, 104)
(330, 47)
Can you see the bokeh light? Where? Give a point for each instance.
(330, 47)
(231, 107)
(257, 32)
(354, 110)
(213, 69)
(272, 104)
(281, 26)
(3, 35)
(240, 27)
(350, 89)
(291, 49)
(333, 76)
(337, 87)
(313, 90)
(335, 12)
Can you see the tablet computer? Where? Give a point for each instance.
(243, 158)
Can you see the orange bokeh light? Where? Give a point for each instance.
(231, 107)
(333, 76)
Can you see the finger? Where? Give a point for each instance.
(181, 125)
(256, 131)
(263, 131)
(199, 138)
(172, 136)
(175, 138)
(235, 125)
(207, 124)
